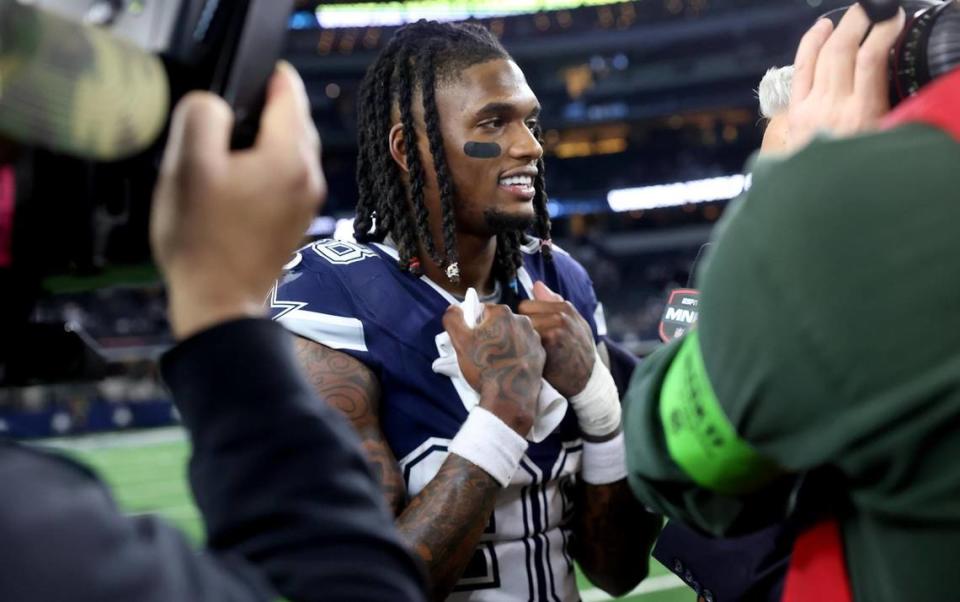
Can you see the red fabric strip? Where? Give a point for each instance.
(8, 195)
(818, 571)
(938, 105)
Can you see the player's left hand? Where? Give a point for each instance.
(565, 336)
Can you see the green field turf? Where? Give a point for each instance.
(147, 473)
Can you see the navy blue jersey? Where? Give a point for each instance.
(355, 298)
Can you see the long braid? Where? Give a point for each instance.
(366, 181)
(435, 137)
(382, 174)
(542, 225)
(509, 257)
(392, 196)
(404, 230)
(417, 177)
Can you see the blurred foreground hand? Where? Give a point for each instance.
(223, 223)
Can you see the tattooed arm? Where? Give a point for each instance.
(348, 385)
(443, 523)
(614, 535)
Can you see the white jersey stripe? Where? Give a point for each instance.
(600, 319)
(531, 570)
(541, 562)
(335, 332)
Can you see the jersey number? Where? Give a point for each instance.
(340, 252)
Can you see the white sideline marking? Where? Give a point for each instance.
(173, 434)
(649, 585)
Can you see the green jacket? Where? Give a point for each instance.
(830, 338)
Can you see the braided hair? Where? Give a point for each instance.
(416, 58)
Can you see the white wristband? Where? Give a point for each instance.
(605, 462)
(598, 405)
(488, 442)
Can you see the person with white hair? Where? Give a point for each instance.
(774, 97)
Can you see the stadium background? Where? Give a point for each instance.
(649, 115)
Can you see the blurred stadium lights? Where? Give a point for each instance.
(722, 188)
(397, 13)
(607, 146)
(566, 207)
(304, 20)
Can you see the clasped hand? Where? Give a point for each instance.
(506, 355)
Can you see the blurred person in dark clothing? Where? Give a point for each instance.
(290, 506)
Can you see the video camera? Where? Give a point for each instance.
(227, 47)
(135, 53)
(928, 47)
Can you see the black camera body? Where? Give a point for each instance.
(229, 47)
(928, 47)
(76, 217)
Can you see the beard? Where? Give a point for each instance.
(500, 222)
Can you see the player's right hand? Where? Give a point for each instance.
(502, 358)
(223, 223)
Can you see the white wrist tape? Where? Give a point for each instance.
(488, 442)
(598, 405)
(606, 462)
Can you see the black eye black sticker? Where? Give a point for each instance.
(482, 150)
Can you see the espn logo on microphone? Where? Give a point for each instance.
(681, 313)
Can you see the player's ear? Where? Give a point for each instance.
(398, 147)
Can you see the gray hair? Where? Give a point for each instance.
(774, 91)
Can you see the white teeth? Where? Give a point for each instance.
(517, 181)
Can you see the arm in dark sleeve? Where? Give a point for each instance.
(65, 539)
(278, 476)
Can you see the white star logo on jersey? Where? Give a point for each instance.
(285, 306)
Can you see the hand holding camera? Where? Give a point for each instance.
(840, 85)
(224, 222)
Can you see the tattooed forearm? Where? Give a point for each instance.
(614, 536)
(349, 386)
(444, 522)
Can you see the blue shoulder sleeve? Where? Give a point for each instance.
(579, 291)
(311, 301)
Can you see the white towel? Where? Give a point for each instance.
(551, 405)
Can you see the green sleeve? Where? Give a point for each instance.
(670, 453)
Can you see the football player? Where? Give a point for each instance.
(496, 497)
